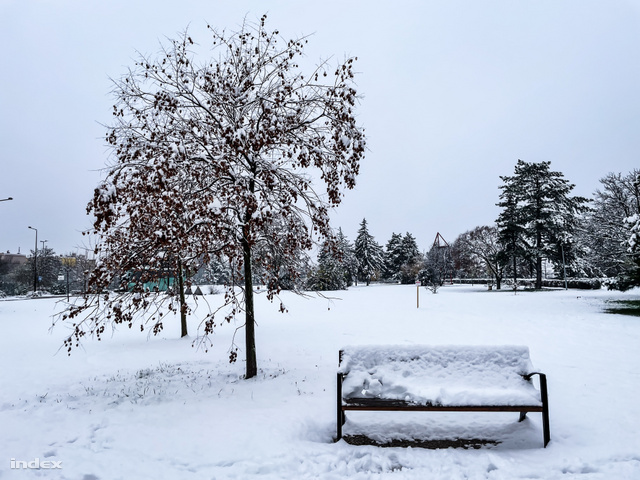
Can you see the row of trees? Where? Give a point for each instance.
(541, 231)
(400, 261)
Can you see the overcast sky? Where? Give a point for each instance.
(454, 93)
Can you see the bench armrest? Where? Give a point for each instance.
(545, 404)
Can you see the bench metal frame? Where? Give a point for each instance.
(381, 404)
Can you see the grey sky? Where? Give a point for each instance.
(455, 91)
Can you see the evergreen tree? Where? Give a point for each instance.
(347, 256)
(392, 258)
(540, 217)
(411, 259)
(402, 259)
(511, 233)
(368, 254)
(329, 274)
(337, 266)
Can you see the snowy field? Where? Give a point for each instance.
(130, 407)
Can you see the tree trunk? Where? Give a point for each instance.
(538, 261)
(183, 302)
(250, 336)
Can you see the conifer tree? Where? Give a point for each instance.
(411, 259)
(511, 232)
(539, 217)
(402, 259)
(336, 265)
(392, 258)
(368, 254)
(347, 256)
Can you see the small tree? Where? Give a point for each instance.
(329, 273)
(208, 158)
(437, 265)
(336, 267)
(465, 263)
(482, 243)
(368, 254)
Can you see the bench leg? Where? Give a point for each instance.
(341, 416)
(546, 432)
(523, 416)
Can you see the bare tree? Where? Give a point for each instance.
(482, 243)
(207, 159)
(605, 233)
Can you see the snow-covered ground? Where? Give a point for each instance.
(130, 407)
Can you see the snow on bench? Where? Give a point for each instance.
(440, 378)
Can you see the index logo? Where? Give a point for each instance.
(35, 464)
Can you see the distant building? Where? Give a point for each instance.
(14, 260)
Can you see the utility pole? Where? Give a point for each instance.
(564, 268)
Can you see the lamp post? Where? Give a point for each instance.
(35, 263)
(6, 199)
(564, 268)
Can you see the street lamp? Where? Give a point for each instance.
(35, 262)
(564, 268)
(6, 199)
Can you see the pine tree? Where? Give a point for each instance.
(411, 259)
(368, 254)
(402, 259)
(329, 274)
(347, 257)
(511, 232)
(336, 265)
(392, 258)
(539, 217)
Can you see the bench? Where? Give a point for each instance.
(440, 378)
